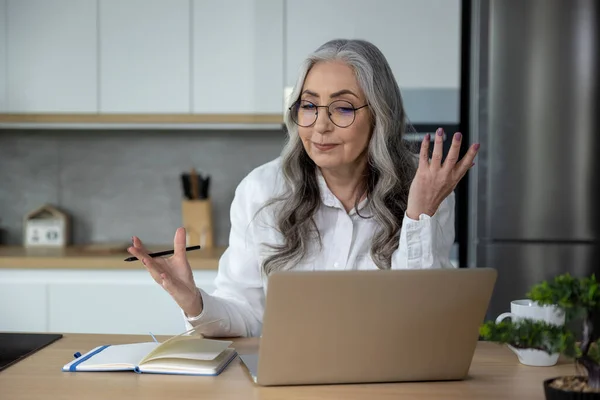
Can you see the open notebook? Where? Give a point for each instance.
(181, 354)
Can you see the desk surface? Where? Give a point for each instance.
(495, 374)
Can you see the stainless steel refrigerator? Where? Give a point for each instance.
(534, 195)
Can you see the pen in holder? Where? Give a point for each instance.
(197, 221)
(196, 209)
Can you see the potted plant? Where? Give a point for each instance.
(579, 299)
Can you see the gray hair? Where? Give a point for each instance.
(390, 168)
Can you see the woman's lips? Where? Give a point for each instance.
(325, 147)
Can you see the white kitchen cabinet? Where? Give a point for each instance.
(51, 56)
(23, 307)
(3, 65)
(144, 50)
(142, 56)
(420, 39)
(238, 56)
(90, 301)
(131, 308)
(126, 305)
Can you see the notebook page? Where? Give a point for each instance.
(124, 356)
(194, 348)
(188, 367)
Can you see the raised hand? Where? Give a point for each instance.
(435, 180)
(174, 273)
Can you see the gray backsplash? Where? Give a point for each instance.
(115, 184)
(118, 183)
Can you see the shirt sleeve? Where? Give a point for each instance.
(427, 242)
(236, 306)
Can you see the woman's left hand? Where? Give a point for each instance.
(435, 180)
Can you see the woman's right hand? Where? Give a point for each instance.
(173, 273)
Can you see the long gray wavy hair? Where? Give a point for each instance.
(390, 168)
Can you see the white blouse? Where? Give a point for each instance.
(236, 306)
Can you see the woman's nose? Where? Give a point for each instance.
(323, 122)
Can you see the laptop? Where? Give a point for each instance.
(332, 327)
(16, 346)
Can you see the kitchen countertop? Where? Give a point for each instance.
(93, 257)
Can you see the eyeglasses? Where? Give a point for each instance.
(341, 112)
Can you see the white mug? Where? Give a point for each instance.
(528, 309)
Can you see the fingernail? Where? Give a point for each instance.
(476, 146)
(427, 137)
(143, 262)
(458, 136)
(472, 164)
(440, 132)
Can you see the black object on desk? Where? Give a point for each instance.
(16, 346)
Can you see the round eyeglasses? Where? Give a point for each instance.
(341, 112)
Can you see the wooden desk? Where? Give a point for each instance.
(495, 374)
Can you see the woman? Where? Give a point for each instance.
(345, 194)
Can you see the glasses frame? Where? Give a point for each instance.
(328, 113)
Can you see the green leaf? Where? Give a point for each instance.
(594, 352)
(529, 334)
(576, 297)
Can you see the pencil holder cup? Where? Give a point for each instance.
(197, 221)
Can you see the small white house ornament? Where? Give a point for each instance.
(46, 227)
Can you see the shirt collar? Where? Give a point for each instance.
(329, 199)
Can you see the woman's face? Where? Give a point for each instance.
(331, 146)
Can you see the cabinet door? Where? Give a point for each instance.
(124, 302)
(420, 39)
(3, 64)
(238, 56)
(52, 63)
(128, 308)
(23, 307)
(144, 56)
